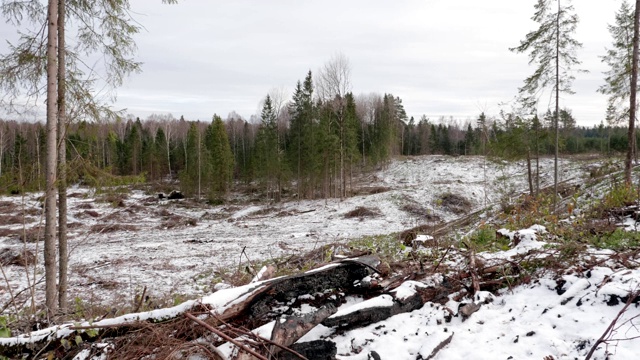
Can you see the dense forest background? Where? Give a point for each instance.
(309, 147)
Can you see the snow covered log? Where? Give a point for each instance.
(409, 296)
(254, 301)
(291, 328)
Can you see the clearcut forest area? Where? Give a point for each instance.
(385, 185)
(547, 284)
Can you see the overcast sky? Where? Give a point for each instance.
(441, 57)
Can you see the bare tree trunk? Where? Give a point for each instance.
(364, 157)
(1, 148)
(632, 98)
(557, 130)
(38, 167)
(167, 138)
(529, 173)
(63, 260)
(51, 160)
(199, 166)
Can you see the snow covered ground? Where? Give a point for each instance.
(180, 261)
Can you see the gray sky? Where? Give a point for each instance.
(442, 57)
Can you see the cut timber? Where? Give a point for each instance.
(409, 296)
(339, 275)
(312, 350)
(253, 301)
(289, 329)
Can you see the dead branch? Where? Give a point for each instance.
(473, 270)
(608, 333)
(250, 334)
(440, 346)
(224, 336)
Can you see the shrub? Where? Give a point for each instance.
(617, 240)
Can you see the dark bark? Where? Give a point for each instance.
(312, 350)
(372, 315)
(291, 328)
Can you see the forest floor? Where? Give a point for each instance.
(128, 243)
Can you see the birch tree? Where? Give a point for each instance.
(36, 63)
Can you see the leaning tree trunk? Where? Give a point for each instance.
(51, 159)
(63, 260)
(632, 98)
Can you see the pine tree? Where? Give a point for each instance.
(553, 50)
(619, 59)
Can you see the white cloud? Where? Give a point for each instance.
(440, 56)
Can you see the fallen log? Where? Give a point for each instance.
(312, 350)
(291, 328)
(411, 295)
(254, 301)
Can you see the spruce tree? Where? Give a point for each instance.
(190, 174)
(302, 148)
(269, 161)
(220, 160)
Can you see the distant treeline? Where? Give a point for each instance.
(308, 147)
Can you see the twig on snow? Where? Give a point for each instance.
(607, 336)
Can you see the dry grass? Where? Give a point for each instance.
(455, 203)
(84, 206)
(87, 213)
(362, 212)
(371, 190)
(31, 235)
(4, 232)
(419, 212)
(177, 221)
(15, 220)
(120, 217)
(115, 199)
(15, 257)
(109, 228)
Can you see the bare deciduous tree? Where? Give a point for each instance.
(333, 84)
(334, 78)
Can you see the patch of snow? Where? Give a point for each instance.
(407, 289)
(384, 300)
